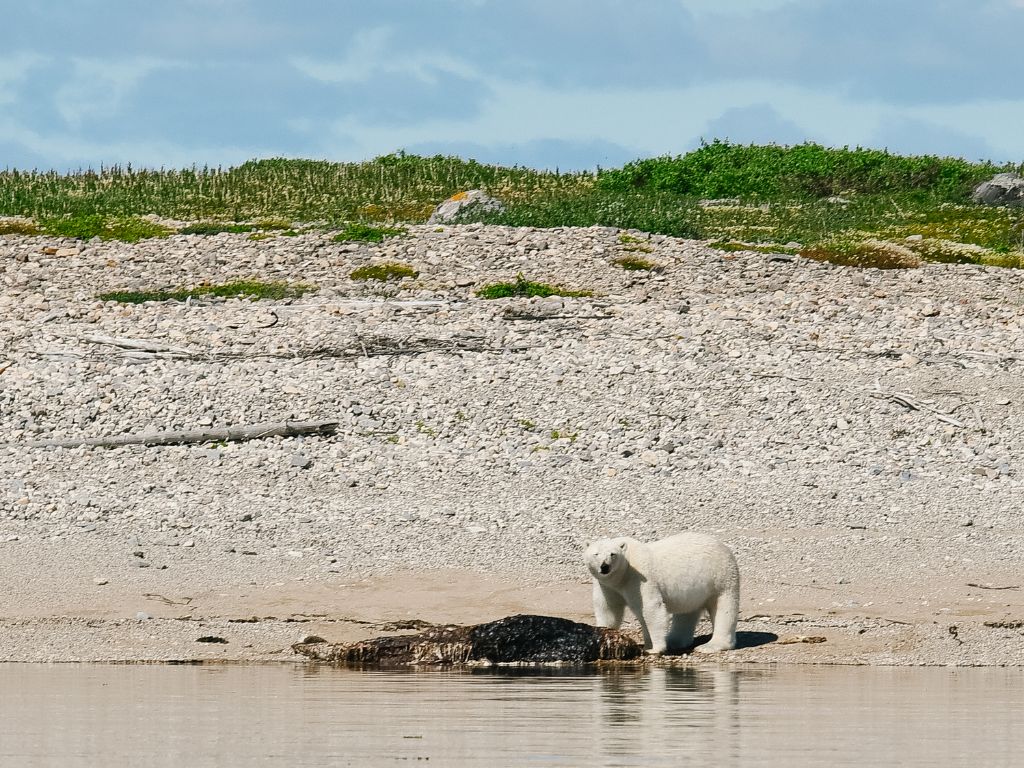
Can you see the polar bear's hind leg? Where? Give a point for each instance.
(724, 614)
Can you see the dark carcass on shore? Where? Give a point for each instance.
(520, 639)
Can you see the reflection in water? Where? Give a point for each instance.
(682, 710)
(81, 715)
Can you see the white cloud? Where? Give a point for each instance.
(65, 150)
(14, 70)
(516, 113)
(371, 54)
(97, 87)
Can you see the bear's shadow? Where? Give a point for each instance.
(743, 640)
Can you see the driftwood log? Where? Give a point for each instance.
(512, 640)
(228, 434)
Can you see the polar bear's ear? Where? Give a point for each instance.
(622, 545)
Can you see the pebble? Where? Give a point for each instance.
(745, 394)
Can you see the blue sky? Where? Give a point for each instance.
(545, 83)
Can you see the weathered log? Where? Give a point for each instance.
(227, 434)
(512, 640)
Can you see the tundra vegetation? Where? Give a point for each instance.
(252, 289)
(853, 206)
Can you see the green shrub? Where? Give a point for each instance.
(722, 170)
(523, 287)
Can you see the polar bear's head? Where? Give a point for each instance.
(606, 557)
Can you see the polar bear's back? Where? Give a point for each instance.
(692, 563)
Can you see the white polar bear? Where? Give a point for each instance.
(667, 584)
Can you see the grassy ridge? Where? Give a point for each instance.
(805, 171)
(825, 202)
(392, 188)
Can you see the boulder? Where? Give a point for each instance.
(520, 639)
(459, 202)
(1002, 189)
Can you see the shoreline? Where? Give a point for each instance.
(260, 612)
(854, 435)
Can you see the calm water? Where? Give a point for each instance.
(81, 715)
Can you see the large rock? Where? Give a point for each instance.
(1002, 189)
(512, 640)
(459, 202)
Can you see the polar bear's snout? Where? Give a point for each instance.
(605, 568)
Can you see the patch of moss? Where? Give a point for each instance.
(629, 243)
(253, 289)
(387, 271)
(365, 233)
(869, 253)
(636, 264)
(16, 227)
(129, 229)
(524, 287)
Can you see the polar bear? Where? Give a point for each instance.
(667, 584)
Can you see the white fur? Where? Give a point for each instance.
(667, 584)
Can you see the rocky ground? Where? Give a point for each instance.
(854, 435)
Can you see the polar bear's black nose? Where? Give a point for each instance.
(604, 567)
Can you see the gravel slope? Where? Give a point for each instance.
(854, 435)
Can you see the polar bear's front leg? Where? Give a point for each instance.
(609, 606)
(654, 620)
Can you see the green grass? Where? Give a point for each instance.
(585, 206)
(262, 227)
(369, 234)
(391, 188)
(387, 271)
(253, 289)
(216, 228)
(524, 287)
(129, 229)
(786, 195)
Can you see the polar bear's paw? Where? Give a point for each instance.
(714, 646)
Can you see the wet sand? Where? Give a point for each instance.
(261, 604)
